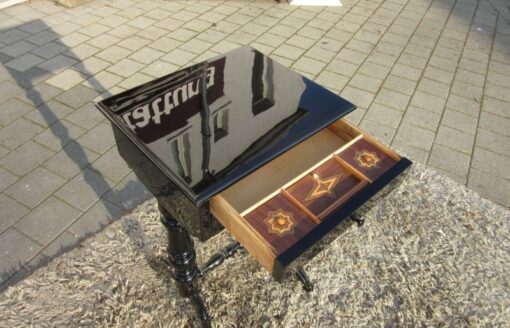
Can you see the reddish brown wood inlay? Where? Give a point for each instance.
(367, 159)
(330, 182)
(277, 206)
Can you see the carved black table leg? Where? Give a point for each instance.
(220, 257)
(303, 278)
(182, 258)
(359, 220)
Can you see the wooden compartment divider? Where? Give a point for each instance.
(350, 168)
(300, 176)
(302, 207)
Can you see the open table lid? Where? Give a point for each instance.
(209, 125)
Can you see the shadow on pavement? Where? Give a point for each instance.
(30, 80)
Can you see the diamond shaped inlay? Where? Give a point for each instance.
(323, 187)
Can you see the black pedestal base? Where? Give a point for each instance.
(182, 261)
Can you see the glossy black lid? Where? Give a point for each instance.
(209, 125)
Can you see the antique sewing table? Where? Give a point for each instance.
(244, 143)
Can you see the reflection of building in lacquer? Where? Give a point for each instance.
(239, 125)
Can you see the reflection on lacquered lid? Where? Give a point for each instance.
(209, 125)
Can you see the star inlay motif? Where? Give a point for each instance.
(367, 159)
(280, 222)
(323, 187)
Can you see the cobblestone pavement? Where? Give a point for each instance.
(431, 78)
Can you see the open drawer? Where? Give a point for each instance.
(280, 210)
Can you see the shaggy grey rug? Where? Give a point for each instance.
(430, 254)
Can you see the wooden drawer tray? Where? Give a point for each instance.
(283, 208)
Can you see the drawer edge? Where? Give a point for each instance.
(246, 235)
(332, 220)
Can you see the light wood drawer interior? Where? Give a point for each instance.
(280, 203)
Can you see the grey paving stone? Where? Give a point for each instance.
(498, 78)
(36, 186)
(392, 99)
(59, 134)
(77, 96)
(407, 72)
(455, 139)
(288, 51)
(415, 136)
(460, 179)
(309, 65)
(359, 97)
(128, 194)
(422, 118)
(495, 123)
(497, 92)
(31, 77)
(103, 41)
(49, 50)
(123, 31)
(70, 160)
(83, 51)
(95, 219)
(470, 77)
(434, 87)
(16, 249)
(382, 132)
(467, 90)
(365, 82)
(18, 132)
(9, 90)
(490, 162)
(12, 36)
(111, 165)
(159, 68)
(6, 178)
(194, 45)
(48, 113)
(58, 64)
(495, 106)
(429, 102)
(84, 189)
(99, 139)
(18, 48)
(24, 62)
(102, 81)
(332, 81)
(86, 117)
(10, 212)
(400, 84)
(12, 110)
(125, 67)
(153, 33)
(146, 55)
(449, 160)
(490, 186)
(492, 141)
(43, 37)
(460, 121)
(384, 115)
(73, 39)
(48, 220)
(3, 150)
(25, 158)
(65, 242)
(135, 80)
(39, 94)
